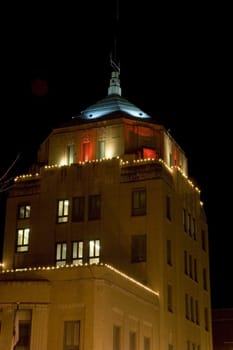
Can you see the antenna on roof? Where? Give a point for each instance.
(113, 56)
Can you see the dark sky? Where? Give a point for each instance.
(175, 65)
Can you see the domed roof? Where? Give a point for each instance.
(112, 103)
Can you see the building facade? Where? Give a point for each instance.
(106, 240)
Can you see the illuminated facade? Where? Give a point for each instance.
(106, 240)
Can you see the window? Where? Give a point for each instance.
(194, 230)
(169, 252)
(206, 318)
(203, 240)
(77, 253)
(170, 347)
(191, 309)
(185, 262)
(197, 312)
(169, 298)
(101, 149)
(195, 270)
(94, 251)
(139, 202)
(168, 207)
(138, 248)
(116, 338)
(204, 279)
(132, 340)
(62, 210)
(23, 239)
(61, 250)
(71, 335)
(190, 266)
(94, 206)
(70, 154)
(78, 209)
(147, 343)
(189, 224)
(22, 328)
(184, 220)
(187, 306)
(24, 211)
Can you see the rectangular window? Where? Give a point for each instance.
(168, 208)
(189, 224)
(77, 253)
(147, 343)
(203, 240)
(22, 329)
(62, 210)
(204, 279)
(185, 262)
(94, 251)
(138, 248)
(169, 298)
(195, 270)
(190, 266)
(197, 312)
(116, 338)
(132, 340)
(139, 202)
(169, 252)
(187, 306)
(191, 309)
(94, 207)
(101, 149)
(206, 318)
(86, 151)
(70, 154)
(194, 230)
(24, 211)
(61, 251)
(23, 239)
(184, 220)
(78, 209)
(71, 335)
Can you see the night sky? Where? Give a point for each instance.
(175, 66)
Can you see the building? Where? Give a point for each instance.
(106, 240)
(222, 321)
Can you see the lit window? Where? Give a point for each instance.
(62, 210)
(101, 149)
(24, 211)
(61, 250)
(77, 253)
(94, 206)
(139, 202)
(94, 251)
(23, 239)
(70, 154)
(71, 335)
(78, 209)
(86, 151)
(138, 248)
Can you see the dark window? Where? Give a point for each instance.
(24, 335)
(138, 248)
(94, 207)
(203, 240)
(132, 340)
(116, 338)
(169, 298)
(78, 209)
(169, 252)
(185, 220)
(139, 202)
